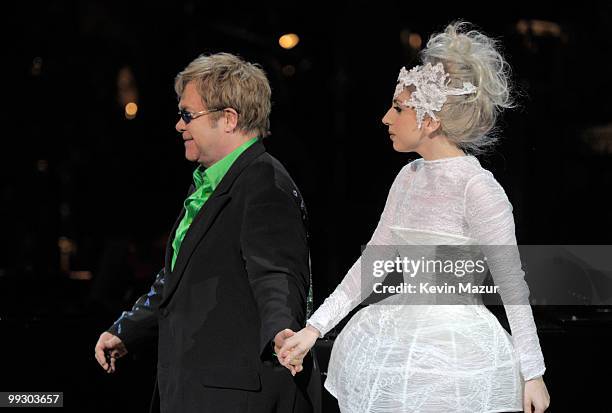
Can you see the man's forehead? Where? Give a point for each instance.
(190, 98)
(189, 104)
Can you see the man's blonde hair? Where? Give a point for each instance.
(224, 80)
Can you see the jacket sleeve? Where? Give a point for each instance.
(140, 323)
(274, 246)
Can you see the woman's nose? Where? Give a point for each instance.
(385, 119)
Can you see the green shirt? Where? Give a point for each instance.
(206, 181)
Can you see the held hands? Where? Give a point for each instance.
(108, 349)
(537, 395)
(295, 347)
(279, 342)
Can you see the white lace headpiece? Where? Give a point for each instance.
(431, 89)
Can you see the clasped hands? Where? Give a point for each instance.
(291, 347)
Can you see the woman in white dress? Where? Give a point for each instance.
(438, 358)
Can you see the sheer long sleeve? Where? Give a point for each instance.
(489, 216)
(348, 294)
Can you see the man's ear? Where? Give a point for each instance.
(231, 119)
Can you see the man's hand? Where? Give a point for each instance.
(296, 347)
(535, 395)
(111, 345)
(279, 342)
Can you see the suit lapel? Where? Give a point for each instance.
(204, 219)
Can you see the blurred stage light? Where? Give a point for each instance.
(80, 275)
(288, 41)
(288, 70)
(66, 245)
(599, 138)
(42, 165)
(127, 92)
(539, 28)
(131, 109)
(411, 39)
(415, 40)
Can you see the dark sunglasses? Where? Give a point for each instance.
(189, 116)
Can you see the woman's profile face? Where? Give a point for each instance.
(402, 123)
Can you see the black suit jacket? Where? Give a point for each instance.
(241, 276)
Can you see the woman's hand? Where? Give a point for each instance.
(535, 395)
(296, 347)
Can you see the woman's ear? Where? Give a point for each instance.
(431, 125)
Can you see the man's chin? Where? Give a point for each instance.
(191, 157)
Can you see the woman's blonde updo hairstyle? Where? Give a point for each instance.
(470, 56)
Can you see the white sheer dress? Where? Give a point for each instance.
(435, 358)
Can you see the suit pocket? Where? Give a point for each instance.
(229, 377)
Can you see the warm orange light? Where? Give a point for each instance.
(80, 275)
(415, 41)
(539, 28)
(130, 110)
(288, 41)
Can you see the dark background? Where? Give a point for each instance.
(78, 177)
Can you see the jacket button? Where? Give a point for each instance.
(164, 312)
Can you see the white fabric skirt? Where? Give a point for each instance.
(424, 358)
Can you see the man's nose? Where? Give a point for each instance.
(180, 125)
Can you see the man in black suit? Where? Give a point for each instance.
(237, 274)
